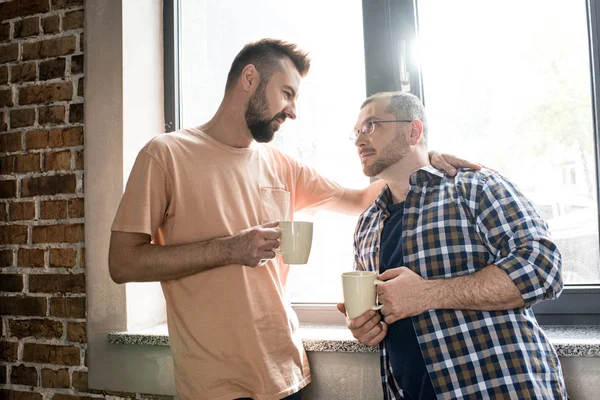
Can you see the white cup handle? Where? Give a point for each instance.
(377, 307)
(377, 282)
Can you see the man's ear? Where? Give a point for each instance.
(416, 131)
(250, 78)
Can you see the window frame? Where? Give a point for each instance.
(386, 22)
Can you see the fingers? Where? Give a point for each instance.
(272, 224)
(341, 308)
(361, 320)
(390, 319)
(271, 233)
(390, 274)
(382, 333)
(375, 335)
(440, 162)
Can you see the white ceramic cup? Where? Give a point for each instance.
(295, 241)
(360, 292)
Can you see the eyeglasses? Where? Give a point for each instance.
(369, 127)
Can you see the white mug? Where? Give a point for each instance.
(360, 292)
(295, 241)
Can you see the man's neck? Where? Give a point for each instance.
(228, 125)
(397, 176)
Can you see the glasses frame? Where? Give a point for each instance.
(368, 127)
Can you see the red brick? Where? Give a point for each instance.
(23, 72)
(60, 4)
(76, 113)
(77, 64)
(25, 306)
(37, 139)
(51, 354)
(6, 258)
(10, 142)
(3, 211)
(4, 31)
(27, 163)
(76, 208)
(58, 161)
(3, 74)
(30, 258)
(3, 124)
(49, 48)
(6, 394)
(51, 115)
(45, 93)
(9, 52)
(57, 283)
(67, 307)
(27, 27)
(79, 160)
(8, 189)
(80, 380)
(48, 185)
(63, 137)
(11, 283)
(36, 328)
(22, 210)
(73, 20)
(23, 375)
(58, 233)
(76, 332)
(9, 351)
(13, 9)
(7, 164)
(13, 234)
(53, 209)
(22, 117)
(52, 69)
(55, 379)
(6, 98)
(66, 258)
(82, 258)
(51, 24)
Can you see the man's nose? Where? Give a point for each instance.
(290, 111)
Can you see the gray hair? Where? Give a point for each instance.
(403, 106)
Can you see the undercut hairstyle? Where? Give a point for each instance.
(402, 106)
(266, 55)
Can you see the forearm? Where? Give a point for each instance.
(355, 201)
(488, 289)
(146, 262)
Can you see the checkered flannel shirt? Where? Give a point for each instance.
(455, 226)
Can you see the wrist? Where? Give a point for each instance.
(432, 294)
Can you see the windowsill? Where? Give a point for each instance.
(569, 341)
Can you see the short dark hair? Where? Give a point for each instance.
(266, 56)
(403, 106)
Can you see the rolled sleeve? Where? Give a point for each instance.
(520, 240)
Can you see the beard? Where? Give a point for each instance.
(392, 153)
(262, 128)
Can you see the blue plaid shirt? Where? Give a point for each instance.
(456, 226)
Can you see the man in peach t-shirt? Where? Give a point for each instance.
(199, 214)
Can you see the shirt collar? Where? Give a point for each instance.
(418, 177)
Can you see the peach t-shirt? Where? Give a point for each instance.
(232, 330)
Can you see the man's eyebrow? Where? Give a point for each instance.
(291, 89)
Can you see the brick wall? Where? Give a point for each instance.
(42, 252)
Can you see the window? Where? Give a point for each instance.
(511, 84)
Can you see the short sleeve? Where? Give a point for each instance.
(146, 200)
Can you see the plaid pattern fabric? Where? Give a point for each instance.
(455, 226)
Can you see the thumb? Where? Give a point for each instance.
(341, 308)
(390, 274)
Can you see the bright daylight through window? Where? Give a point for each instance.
(507, 84)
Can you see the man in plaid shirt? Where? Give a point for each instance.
(463, 259)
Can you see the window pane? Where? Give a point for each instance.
(508, 84)
(330, 96)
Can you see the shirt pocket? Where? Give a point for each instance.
(275, 204)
